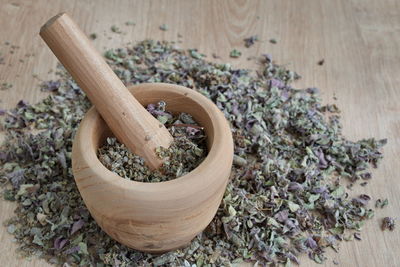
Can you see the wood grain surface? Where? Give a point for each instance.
(359, 40)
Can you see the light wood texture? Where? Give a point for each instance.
(129, 121)
(359, 40)
(155, 217)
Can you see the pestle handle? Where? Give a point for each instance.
(127, 118)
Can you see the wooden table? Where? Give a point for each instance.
(358, 39)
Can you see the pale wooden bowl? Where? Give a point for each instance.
(155, 217)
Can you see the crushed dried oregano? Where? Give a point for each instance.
(186, 152)
(285, 196)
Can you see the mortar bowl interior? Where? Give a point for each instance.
(155, 217)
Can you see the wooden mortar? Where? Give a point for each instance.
(155, 217)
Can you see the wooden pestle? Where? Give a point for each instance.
(130, 122)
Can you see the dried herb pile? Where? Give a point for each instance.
(186, 152)
(285, 197)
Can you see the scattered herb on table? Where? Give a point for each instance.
(115, 29)
(130, 23)
(273, 41)
(235, 53)
(250, 41)
(93, 36)
(388, 223)
(381, 203)
(164, 27)
(285, 196)
(5, 86)
(195, 54)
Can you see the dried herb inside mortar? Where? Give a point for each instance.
(285, 197)
(186, 152)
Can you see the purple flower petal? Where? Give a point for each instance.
(160, 113)
(60, 242)
(151, 107)
(250, 123)
(311, 113)
(192, 131)
(72, 250)
(290, 224)
(293, 186)
(321, 157)
(235, 108)
(77, 226)
(16, 177)
(3, 155)
(310, 242)
(22, 103)
(276, 83)
(357, 236)
(285, 95)
(362, 200)
(229, 94)
(282, 216)
(319, 190)
(313, 90)
(268, 57)
(366, 176)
